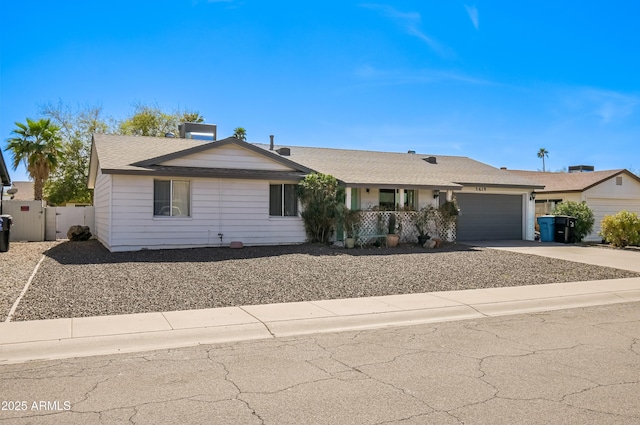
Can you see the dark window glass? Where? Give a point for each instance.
(290, 200)
(275, 199)
(161, 197)
(387, 198)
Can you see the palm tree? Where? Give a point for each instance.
(541, 154)
(38, 146)
(192, 117)
(240, 133)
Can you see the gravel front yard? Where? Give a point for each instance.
(80, 279)
(16, 265)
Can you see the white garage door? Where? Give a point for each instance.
(609, 206)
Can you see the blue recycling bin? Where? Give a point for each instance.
(547, 225)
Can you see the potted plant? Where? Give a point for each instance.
(392, 238)
(351, 221)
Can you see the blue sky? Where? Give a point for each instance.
(491, 80)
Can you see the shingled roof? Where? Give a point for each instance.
(4, 173)
(570, 182)
(380, 169)
(116, 154)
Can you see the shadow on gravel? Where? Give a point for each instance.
(92, 252)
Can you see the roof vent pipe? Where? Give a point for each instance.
(271, 142)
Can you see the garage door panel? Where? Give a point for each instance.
(602, 207)
(489, 216)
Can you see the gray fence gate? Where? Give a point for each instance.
(59, 219)
(28, 220)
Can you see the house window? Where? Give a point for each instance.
(283, 201)
(387, 199)
(355, 199)
(171, 198)
(410, 199)
(619, 181)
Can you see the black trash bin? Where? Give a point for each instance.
(5, 229)
(565, 229)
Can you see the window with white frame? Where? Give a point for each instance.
(387, 199)
(410, 199)
(171, 198)
(283, 201)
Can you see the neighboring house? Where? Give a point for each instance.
(24, 191)
(173, 192)
(4, 172)
(605, 192)
(5, 180)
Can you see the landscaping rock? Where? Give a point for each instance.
(79, 233)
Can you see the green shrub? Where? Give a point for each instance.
(582, 213)
(323, 204)
(621, 229)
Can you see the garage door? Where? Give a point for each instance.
(489, 217)
(608, 206)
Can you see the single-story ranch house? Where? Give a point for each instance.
(154, 193)
(605, 192)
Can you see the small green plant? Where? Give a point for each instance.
(449, 209)
(424, 220)
(351, 220)
(321, 199)
(392, 224)
(621, 229)
(582, 213)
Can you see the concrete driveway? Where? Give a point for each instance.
(623, 259)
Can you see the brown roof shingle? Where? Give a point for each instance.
(568, 182)
(358, 167)
(140, 155)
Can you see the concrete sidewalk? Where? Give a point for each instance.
(76, 337)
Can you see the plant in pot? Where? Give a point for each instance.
(351, 221)
(392, 237)
(423, 220)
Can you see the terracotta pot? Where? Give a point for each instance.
(392, 240)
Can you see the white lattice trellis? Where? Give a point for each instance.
(377, 223)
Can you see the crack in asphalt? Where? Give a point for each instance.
(338, 356)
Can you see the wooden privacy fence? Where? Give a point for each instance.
(377, 222)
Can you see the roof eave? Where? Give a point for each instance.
(405, 186)
(212, 173)
(506, 186)
(4, 172)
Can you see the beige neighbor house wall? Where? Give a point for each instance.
(605, 198)
(608, 198)
(222, 210)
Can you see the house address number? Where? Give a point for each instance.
(481, 189)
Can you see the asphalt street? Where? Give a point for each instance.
(576, 366)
